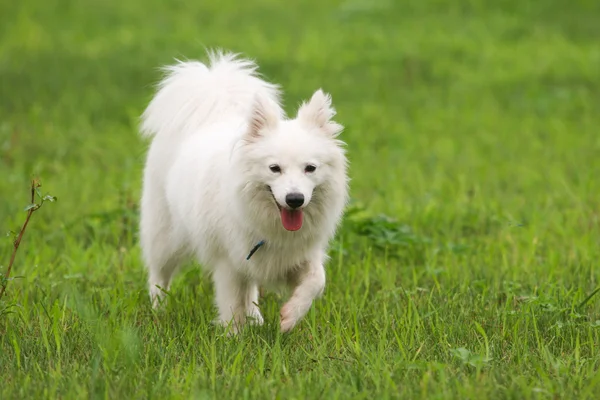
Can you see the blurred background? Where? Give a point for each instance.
(495, 98)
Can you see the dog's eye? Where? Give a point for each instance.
(275, 168)
(310, 168)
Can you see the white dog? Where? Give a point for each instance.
(255, 197)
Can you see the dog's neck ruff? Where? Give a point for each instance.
(258, 245)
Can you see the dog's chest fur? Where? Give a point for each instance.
(273, 263)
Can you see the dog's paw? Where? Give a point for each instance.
(157, 297)
(231, 326)
(291, 313)
(253, 316)
(288, 319)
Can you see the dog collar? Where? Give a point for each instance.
(255, 248)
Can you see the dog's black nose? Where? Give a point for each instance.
(294, 200)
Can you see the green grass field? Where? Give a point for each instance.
(466, 265)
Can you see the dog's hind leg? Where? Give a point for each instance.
(161, 269)
(161, 251)
(236, 298)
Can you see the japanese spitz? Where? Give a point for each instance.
(254, 196)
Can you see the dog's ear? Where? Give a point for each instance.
(263, 117)
(318, 112)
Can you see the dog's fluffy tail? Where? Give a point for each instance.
(193, 94)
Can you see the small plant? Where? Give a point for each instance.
(32, 207)
(382, 231)
(469, 358)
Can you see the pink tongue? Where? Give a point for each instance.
(291, 219)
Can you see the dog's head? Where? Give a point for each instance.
(297, 167)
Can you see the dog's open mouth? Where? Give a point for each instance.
(290, 219)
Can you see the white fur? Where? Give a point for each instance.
(216, 131)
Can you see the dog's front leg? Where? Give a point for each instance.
(308, 282)
(236, 298)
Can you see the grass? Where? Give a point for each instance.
(465, 268)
